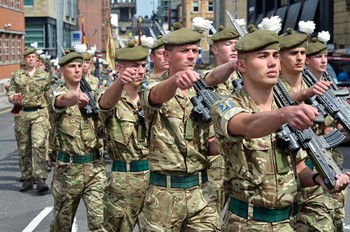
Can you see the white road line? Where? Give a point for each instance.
(35, 222)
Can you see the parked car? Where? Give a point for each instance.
(339, 69)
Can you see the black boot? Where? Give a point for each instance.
(27, 185)
(41, 186)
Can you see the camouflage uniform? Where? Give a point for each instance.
(179, 195)
(126, 144)
(80, 170)
(316, 206)
(32, 123)
(93, 82)
(260, 178)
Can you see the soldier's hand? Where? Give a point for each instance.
(81, 99)
(186, 79)
(342, 182)
(129, 75)
(319, 88)
(300, 117)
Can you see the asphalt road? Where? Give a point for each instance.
(32, 212)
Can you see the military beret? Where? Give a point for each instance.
(132, 52)
(316, 48)
(257, 40)
(181, 36)
(292, 39)
(158, 43)
(225, 34)
(28, 51)
(71, 57)
(86, 56)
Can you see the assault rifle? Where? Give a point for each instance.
(206, 96)
(334, 106)
(91, 109)
(316, 146)
(160, 28)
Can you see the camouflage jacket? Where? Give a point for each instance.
(225, 88)
(76, 133)
(256, 170)
(125, 131)
(35, 89)
(177, 144)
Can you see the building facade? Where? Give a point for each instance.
(11, 37)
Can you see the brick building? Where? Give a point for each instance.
(11, 37)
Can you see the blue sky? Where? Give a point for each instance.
(145, 7)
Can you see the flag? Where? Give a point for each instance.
(83, 38)
(110, 51)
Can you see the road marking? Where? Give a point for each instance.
(35, 222)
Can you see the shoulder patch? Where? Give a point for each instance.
(225, 105)
(144, 85)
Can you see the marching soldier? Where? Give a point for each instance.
(28, 91)
(261, 178)
(179, 194)
(80, 169)
(126, 141)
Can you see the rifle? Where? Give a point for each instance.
(342, 94)
(152, 34)
(335, 107)
(238, 28)
(206, 96)
(97, 72)
(316, 146)
(91, 109)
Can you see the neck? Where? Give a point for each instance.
(294, 80)
(261, 97)
(131, 91)
(75, 87)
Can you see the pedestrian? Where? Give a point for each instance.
(80, 169)
(28, 91)
(178, 195)
(262, 180)
(126, 140)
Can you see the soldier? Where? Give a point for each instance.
(28, 91)
(157, 58)
(178, 195)
(261, 178)
(318, 210)
(80, 169)
(315, 204)
(223, 72)
(126, 140)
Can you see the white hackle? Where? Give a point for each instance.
(81, 48)
(323, 36)
(147, 41)
(200, 24)
(272, 24)
(307, 27)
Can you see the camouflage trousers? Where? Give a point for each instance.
(70, 183)
(124, 197)
(339, 212)
(176, 209)
(216, 179)
(316, 210)
(233, 222)
(32, 131)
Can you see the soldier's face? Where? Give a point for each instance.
(158, 59)
(31, 60)
(293, 60)
(72, 72)
(182, 57)
(86, 66)
(225, 51)
(317, 63)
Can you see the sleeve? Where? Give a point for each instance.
(13, 85)
(144, 91)
(52, 99)
(222, 111)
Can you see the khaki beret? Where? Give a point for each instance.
(158, 43)
(71, 57)
(86, 56)
(28, 51)
(257, 40)
(132, 52)
(316, 48)
(225, 34)
(181, 36)
(292, 39)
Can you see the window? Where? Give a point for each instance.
(210, 6)
(6, 48)
(35, 33)
(28, 3)
(1, 48)
(19, 48)
(13, 53)
(195, 7)
(12, 3)
(18, 4)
